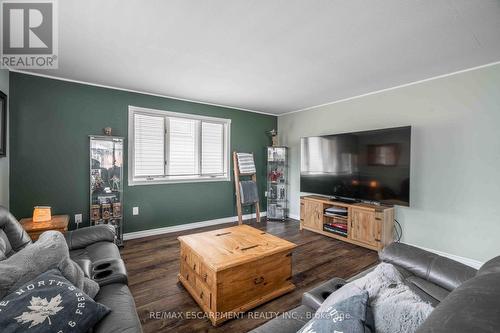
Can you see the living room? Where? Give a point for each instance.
(249, 167)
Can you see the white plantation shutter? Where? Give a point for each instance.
(171, 147)
(212, 148)
(183, 136)
(149, 145)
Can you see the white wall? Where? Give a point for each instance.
(455, 167)
(4, 161)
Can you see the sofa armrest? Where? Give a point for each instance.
(315, 297)
(81, 238)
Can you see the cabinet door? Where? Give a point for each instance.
(363, 226)
(313, 215)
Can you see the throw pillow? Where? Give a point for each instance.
(351, 315)
(49, 303)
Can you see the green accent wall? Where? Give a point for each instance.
(50, 121)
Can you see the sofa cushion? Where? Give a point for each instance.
(81, 238)
(428, 291)
(96, 251)
(439, 270)
(123, 317)
(472, 307)
(288, 322)
(49, 303)
(85, 265)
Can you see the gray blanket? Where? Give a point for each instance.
(396, 309)
(48, 252)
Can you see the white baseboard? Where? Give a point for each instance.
(466, 261)
(295, 217)
(176, 228)
(188, 226)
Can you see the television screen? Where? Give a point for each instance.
(370, 165)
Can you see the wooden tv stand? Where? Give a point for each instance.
(369, 226)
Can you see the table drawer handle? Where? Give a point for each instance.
(258, 280)
(222, 234)
(205, 277)
(248, 247)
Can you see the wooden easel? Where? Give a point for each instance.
(237, 175)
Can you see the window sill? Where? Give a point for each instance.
(135, 182)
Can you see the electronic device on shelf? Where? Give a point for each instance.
(371, 166)
(342, 211)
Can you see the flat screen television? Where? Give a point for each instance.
(359, 166)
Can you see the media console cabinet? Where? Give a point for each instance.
(369, 226)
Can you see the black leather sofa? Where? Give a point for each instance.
(465, 299)
(94, 250)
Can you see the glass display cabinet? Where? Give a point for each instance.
(277, 183)
(106, 182)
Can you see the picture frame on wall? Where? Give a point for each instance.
(3, 124)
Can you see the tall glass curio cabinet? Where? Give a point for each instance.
(277, 183)
(106, 183)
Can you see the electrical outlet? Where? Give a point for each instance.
(265, 194)
(135, 211)
(78, 218)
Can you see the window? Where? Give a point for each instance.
(169, 147)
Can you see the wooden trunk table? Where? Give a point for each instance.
(232, 270)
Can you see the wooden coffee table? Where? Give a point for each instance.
(232, 270)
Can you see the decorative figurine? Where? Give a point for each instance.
(95, 213)
(274, 136)
(275, 175)
(108, 131)
(115, 183)
(106, 211)
(117, 209)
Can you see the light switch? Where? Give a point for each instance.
(135, 211)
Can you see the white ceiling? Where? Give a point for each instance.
(272, 56)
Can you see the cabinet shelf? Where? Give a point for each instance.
(336, 232)
(343, 217)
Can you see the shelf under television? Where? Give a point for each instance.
(342, 217)
(336, 233)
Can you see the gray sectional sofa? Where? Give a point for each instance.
(93, 249)
(465, 299)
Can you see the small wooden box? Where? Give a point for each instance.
(233, 270)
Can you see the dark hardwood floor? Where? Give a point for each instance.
(153, 264)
